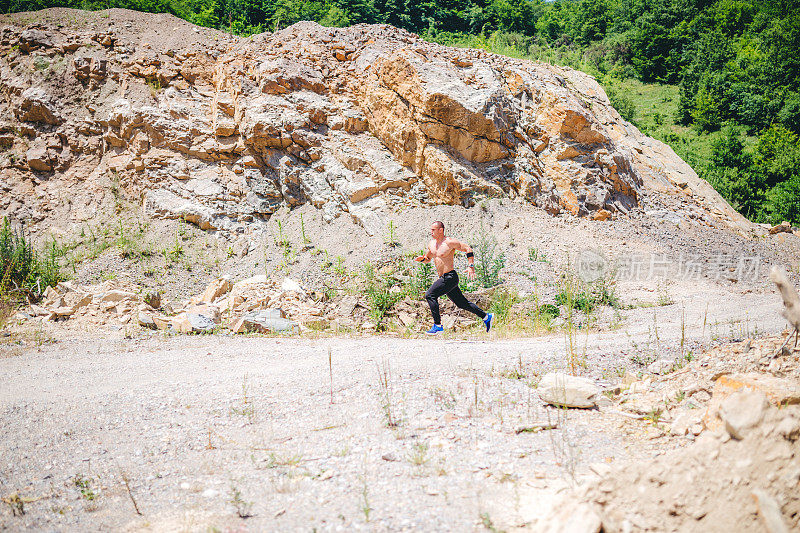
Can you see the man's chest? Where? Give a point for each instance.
(442, 250)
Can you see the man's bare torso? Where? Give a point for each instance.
(442, 254)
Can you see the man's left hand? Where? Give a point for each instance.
(471, 271)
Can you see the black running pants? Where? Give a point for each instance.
(448, 285)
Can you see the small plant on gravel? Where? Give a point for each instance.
(344, 451)
(339, 268)
(654, 416)
(274, 461)
(16, 503)
(282, 239)
(537, 256)
(381, 293)
(247, 408)
(643, 359)
(501, 303)
(664, 297)
(486, 522)
(418, 455)
(570, 297)
(365, 507)
(421, 275)
(682, 361)
(564, 450)
(515, 372)
(306, 240)
(391, 235)
(84, 485)
(445, 399)
(243, 508)
(385, 387)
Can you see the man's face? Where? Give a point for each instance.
(436, 231)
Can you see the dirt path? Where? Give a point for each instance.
(420, 434)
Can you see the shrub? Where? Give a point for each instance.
(24, 273)
(624, 105)
(380, 296)
(489, 261)
(501, 303)
(421, 276)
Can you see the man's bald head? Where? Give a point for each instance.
(437, 230)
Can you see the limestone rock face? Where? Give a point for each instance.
(222, 131)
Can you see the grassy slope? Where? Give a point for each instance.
(656, 110)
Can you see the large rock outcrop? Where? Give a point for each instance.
(222, 131)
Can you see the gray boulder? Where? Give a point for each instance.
(269, 321)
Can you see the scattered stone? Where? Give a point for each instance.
(661, 366)
(291, 285)
(568, 391)
(770, 512)
(145, 320)
(210, 493)
(215, 290)
(269, 321)
(742, 412)
(778, 391)
(783, 227)
(117, 296)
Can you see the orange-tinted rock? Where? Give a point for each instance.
(778, 391)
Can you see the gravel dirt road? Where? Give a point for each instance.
(395, 434)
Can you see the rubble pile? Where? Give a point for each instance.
(742, 476)
(256, 304)
(740, 405)
(689, 398)
(100, 304)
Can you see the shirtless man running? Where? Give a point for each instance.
(441, 249)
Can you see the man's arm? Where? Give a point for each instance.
(467, 249)
(426, 257)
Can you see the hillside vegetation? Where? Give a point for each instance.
(717, 80)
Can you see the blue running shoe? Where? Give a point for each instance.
(435, 329)
(488, 321)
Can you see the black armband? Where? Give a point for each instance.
(470, 254)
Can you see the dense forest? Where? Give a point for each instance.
(718, 80)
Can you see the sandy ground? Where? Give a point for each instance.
(416, 434)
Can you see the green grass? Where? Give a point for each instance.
(654, 108)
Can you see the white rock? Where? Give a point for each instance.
(210, 493)
(570, 517)
(290, 285)
(570, 391)
(660, 366)
(743, 411)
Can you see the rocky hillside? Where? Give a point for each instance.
(222, 131)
